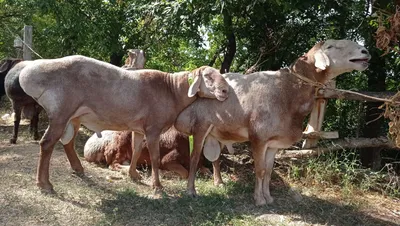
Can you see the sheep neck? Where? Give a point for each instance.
(179, 86)
(308, 73)
(306, 80)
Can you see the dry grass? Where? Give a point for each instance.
(95, 199)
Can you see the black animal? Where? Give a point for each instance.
(21, 102)
(5, 67)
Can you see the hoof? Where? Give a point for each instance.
(135, 176)
(218, 183)
(46, 189)
(158, 191)
(269, 199)
(13, 141)
(261, 202)
(78, 173)
(192, 194)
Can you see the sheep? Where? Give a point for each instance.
(114, 149)
(136, 59)
(76, 90)
(21, 102)
(267, 108)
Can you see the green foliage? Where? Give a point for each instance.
(344, 169)
(182, 35)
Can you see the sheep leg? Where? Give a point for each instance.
(169, 164)
(269, 160)
(217, 173)
(205, 171)
(70, 150)
(137, 140)
(50, 138)
(258, 150)
(154, 151)
(116, 166)
(17, 120)
(34, 123)
(177, 168)
(198, 140)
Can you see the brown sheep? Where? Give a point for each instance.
(77, 90)
(267, 108)
(114, 149)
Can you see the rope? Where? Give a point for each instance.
(321, 85)
(15, 35)
(390, 101)
(307, 80)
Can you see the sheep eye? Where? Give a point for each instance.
(330, 46)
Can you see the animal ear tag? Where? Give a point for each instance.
(191, 144)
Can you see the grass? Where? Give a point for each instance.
(104, 197)
(344, 169)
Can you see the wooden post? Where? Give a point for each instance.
(27, 55)
(316, 119)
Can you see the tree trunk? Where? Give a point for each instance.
(371, 157)
(216, 54)
(116, 59)
(231, 46)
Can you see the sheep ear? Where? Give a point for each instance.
(194, 84)
(4, 67)
(211, 149)
(321, 60)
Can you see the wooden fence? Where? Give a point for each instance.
(313, 132)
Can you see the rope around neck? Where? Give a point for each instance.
(307, 80)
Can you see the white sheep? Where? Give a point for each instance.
(78, 90)
(267, 108)
(136, 59)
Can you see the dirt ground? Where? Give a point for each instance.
(105, 197)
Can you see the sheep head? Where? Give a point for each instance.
(7, 64)
(207, 82)
(332, 58)
(136, 59)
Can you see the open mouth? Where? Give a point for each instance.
(362, 60)
(221, 97)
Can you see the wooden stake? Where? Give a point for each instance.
(316, 119)
(28, 42)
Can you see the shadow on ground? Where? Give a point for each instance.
(93, 200)
(232, 205)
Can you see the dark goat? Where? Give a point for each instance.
(21, 102)
(5, 67)
(114, 149)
